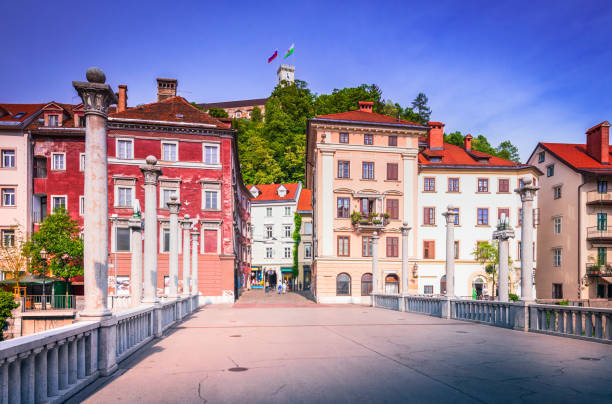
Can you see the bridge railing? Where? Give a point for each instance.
(579, 322)
(423, 304)
(134, 329)
(391, 302)
(118, 302)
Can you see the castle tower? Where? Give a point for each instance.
(287, 73)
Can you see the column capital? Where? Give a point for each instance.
(503, 234)
(409, 154)
(450, 215)
(405, 229)
(135, 223)
(186, 223)
(526, 191)
(96, 95)
(195, 235)
(151, 171)
(173, 205)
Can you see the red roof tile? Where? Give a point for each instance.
(457, 156)
(305, 202)
(173, 109)
(8, 111)
(268, 192)
(362, 116)
(575, 155)
(68, 110)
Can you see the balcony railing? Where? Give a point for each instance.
(599, 270)
(595, 233)
(371, 221)
(597, 197)
(56, 302)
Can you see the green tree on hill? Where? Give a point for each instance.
(256, 115)
(217, 112)
(419, 106)
(347, 99)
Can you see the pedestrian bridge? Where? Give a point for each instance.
(281, 349)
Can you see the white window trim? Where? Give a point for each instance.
(124, 225)
(163, 142)
(218, 146)
(218, 191)
(81, 205)
(58, 196)
(161, 195)
(208, 226)
(272, 253)
(14, 158)
(117, 147)
(116, 194)
(53, 168)
(81, 165)
(14, 197)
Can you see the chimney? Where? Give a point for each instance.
(467, 142)
(598, 142)
(366, 106)
(435, 140)
(166, 88)
(122, 104)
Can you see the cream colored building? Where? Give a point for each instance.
(574, 238)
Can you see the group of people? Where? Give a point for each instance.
(282, 287)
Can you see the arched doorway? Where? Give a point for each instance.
(478, 287)
(443, 285)
(366, 284)
(391, 284)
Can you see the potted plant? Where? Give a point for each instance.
(377, 221)
(355, 217)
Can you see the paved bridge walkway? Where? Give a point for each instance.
(354, 354)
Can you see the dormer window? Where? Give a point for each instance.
(53, 120)
(281, 191)
(19, 115)
(254, 192)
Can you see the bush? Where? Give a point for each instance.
(7, 303)
(513, 297)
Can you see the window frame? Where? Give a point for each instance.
(427, 184)
(348, 283)
(36, 168)
(343, 137)
(5, 191)
(344, 169)
(431, 217)
(162, 204)
(541, 157)
(372, 171)
(338, 207)
(557, 291)
(53, 166)
(217, 146)
(427, 244)
(394, 209)
(550, 170)
(82, 163)
(392, 246)
(368, 139)
(268, 229)
(117, 192)
(123, 228)
(118, 149)
(307, 250)
(390, 142)
(367, 283)
(287, 230)
(485, 183)
(369, 252)
(9, 232)
(557, 191)
(268, 212)
(287, 253)
(173, 143)
(14, 158)
(478, 210)
(557, 257)
(81, 205)
(449, 188)
(346, 242)
(499, 187)
(396, 171)
(53, 202)
(557, 225)
(217, 192)
(269, 250)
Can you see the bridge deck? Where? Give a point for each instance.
(354, 354)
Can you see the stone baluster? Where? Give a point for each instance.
(151, 173)
(173, 268)
(450, 216)
(527, 193)
(186, 224)
(194, 265)
(375, 274)
(96, 97)
(136, 269)
(40, 377)
(502, 234)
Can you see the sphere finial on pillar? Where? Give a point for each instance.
(151, 160)
(95, 75)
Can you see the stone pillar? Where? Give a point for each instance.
(194, 265)
(450, 216)
(327, 199)
(173, 267)
(502, 234)
(96, 97)
(405, 270)
(527, 193)
(136, 269)
(409, 187)
(151, 173)
(375, 274)
(186, 224)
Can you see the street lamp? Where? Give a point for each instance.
(43, 257)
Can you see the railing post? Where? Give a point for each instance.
(52, 369)
(108, 347)
(445, 307)
(186, 225)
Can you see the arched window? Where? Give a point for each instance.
(366, 284)
(443, 285)
(391, 284)
(478, 288)
(343, 285)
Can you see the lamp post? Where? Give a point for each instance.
(43, 257)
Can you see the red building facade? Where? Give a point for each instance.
(199, 161)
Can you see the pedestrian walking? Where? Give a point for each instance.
(284, 287)
(280, 288)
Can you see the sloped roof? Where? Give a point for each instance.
(268, 192)
(69, 110)
(457, 156)
(8, 111)
(173, 109)
(234, 104)
(362, 116)
(576, 156)
(305, 202)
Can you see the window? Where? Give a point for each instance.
(211, 241)
(166, 240)
(557, 225)
(8, 196)
(343, 285)
(81, 205)
(602, 256)
(556, 257)
(343, 246)
(269, 252)
(124, 196)
(58, 161)
(169, 151)
(82, 121)
(429, 249)
(307, 250)
(19, 115)
(287, 252)
(557, 192)
(392, 246)
(211, 200)
(503, 185)
(520, 251)
(503, 212)
(428, 289)
(287, 210)
(269, 212)
(344, 169)
(456, 222)
(483, 216)
(125, 149)
(165, 197)
(391, 284)
(343, 207)
(8, 238)
(308, 228)
(368, 171)
(82, 162)
(40, 167)
(557, 291)
(429, 216)
(602, 221)
(429, 184)
(393, 208)
(122, 235)
(541, 157)
(58, 202)
(550, 170)
(344, 137)
(287, 231)
(211, 154)
(366, 284)
(453, 185)
(392, 140)
(483, 185)
(53, 120)
(268, 232)
(602, 187)
(366, 246)
(368, 139)
(392, 171)
(456, 250)
(8, 158)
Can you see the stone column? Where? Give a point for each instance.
(173, 267)
(136, 269)
(96, 97)
(375, 274)
(151, 173)
(186, 224)
(405, 270)
(409, 187)
(327, 200)
(194, 264)
(450, 216)
(502, 234)
(527, 193)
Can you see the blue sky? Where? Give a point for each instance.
(523, 71)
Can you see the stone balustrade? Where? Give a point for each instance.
(52, 366)
(500, 314)
(423, 304)
(118, 303)
(391, 302)
(578, 322)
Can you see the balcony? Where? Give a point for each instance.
(595, 234)
(369, 222)
(596, 198)
(599, 271)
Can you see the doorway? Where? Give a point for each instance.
(478, 288)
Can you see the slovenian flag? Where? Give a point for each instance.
(289, 52)
(271, 58)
